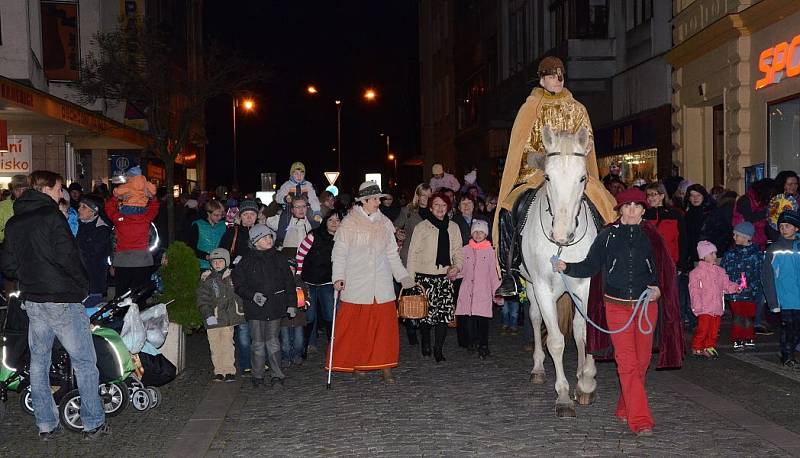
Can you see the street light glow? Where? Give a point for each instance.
(370, 94)
(391, 156)
(248, 104)
(338, 102)
(311, 89)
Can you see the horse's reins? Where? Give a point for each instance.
(641, 303)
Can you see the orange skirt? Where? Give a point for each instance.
(366, 337)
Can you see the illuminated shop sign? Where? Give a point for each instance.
(779, 61)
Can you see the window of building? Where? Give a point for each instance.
(637, 12)
(578, 19)
(517, 39)
(784, 135)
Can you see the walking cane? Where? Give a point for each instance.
(333, 336)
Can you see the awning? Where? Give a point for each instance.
(29, 111)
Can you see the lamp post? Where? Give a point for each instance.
(247, 105)
(393, 157)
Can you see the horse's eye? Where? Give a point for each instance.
(547, 177)
(583, 178)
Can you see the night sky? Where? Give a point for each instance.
(342, 47)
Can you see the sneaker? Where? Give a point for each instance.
(750, 345)
(247, 372)
(51, 435)
(738, 346)
(218, 378)
(789, 364)
(699, 353)
(711, 352)
(763, 330)
(230, 378)
(647, 432)
(257, 382)
(311, 349)
(276, 382)
(97, 433)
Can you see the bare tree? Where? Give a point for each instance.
(153, 72)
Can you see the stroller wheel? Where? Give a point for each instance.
(70, 411)
(26, 400)
(140, 399)
(114, 397)
(155, 396)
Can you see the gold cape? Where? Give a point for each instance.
(562, 112)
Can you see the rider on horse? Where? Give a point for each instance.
(551, 104)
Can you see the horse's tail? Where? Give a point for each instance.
(566, 312)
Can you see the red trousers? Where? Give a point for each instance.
(366, 337)
(744, 315)
(705, 334)
(632, 352)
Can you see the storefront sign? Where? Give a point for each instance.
(18, 158)
(781, 60)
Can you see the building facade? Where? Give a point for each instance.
(736, 101)
(44, 122)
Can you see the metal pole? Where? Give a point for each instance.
(336, 295)
(235, 152)
(339, 136)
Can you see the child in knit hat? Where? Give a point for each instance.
(480, 281)
(297, 185)
(707, 284)
(135, 192)
(743, 265)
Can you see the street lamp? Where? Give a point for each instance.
(247, 104)
(370, 95)
(392, 157)
(311, 89)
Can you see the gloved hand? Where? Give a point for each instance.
(259, 299)
(407, 282)
(211, 321)
(292, 311)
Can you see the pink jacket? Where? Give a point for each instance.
(480, 281)
(707, 285)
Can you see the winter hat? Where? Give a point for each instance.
(220, 253)
(297, 166)
(369, 189)
(437, 169)
(91, 203)
(248, 206)
(631, 195)
(704, 248)
(746, 229)
(790, 217)
(75, 186)
(479, 225)
(260, 231)
(134, 171)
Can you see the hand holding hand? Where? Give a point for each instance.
(259, 299)
(407, 283)
(338, 285)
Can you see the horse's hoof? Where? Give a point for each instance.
(585, 399)
(566, 410)
(537, 378)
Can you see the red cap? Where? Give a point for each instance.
(629, 195)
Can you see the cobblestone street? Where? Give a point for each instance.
(734, 406)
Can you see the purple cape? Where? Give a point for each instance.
(668, 341)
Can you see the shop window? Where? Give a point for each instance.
(636, 167)
(784, 136)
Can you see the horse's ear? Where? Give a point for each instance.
(548, 137)
(583, 139)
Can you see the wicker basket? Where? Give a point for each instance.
(413, 307)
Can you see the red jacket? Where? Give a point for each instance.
(132, 231)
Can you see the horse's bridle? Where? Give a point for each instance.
(561, 246)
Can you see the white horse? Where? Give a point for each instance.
(559, 223)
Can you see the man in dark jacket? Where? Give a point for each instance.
(42, 254)
(94, 245)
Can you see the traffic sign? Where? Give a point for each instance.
(331, 177)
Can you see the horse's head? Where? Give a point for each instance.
(565, 175)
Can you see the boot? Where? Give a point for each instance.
(425, 332)
(508, 242)
(441, 333)
(411, 332)
(483, 352)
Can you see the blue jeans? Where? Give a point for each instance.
(242, 338)
(132, 210)
(291, 343)
(510, 312)
(70, 324)
(320, 305)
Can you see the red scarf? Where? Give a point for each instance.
(485, 245)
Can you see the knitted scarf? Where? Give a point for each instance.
(443, 244)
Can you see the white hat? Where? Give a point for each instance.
(479, 225)
(369, 189)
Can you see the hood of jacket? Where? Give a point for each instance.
(32, 200)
